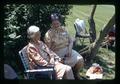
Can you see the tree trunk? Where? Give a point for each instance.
(91, 22)
(102, 35)
(93, 48)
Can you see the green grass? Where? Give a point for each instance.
(103, 13)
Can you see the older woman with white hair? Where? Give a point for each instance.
(40, 55)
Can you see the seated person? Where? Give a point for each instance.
(59, 41)
(40, 55)
(110, 38)
(9, 72)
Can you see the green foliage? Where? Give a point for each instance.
(18, 18)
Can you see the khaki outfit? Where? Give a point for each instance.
(58, 41)
(38, 55)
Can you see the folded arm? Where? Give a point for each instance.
(36, 57)
(51, 53)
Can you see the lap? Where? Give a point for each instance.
(75, 57)
(71, 61)
(60, 69)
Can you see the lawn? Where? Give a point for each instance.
(106, 58)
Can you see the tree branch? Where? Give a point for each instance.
(93, 48)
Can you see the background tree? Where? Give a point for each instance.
(91, 50)
(91, 22)
(18, 17)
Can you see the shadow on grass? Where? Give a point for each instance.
(78, 47)
(112, 48)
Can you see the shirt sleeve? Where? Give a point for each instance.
(35, 56)
(51, 52)
(48, 39)
(69, 37)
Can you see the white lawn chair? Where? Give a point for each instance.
(80, 29)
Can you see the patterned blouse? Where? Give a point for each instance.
(59, 38)
(39, 55)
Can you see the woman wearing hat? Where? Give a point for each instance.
(40, 55)
(59, 41)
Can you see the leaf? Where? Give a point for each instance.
(13, 35)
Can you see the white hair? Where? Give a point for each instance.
(31, 31)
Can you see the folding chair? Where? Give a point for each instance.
(42, 72)
(81, 31)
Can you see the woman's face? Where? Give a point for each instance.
(37, 36)
(56, 24)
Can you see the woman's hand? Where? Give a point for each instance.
(51, 55)
(52, 61)
(61, 61)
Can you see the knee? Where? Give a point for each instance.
(81, 62)
(80, 59)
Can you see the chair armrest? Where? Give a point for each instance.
(39, 70)
(44, 67)
(50, 66)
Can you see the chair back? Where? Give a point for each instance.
(79, 26)
(24, 58)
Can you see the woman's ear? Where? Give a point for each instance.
(51, 25)
(28, 36)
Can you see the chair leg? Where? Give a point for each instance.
(107, 46)
(51, 76)
(75, 42)
(81, 41)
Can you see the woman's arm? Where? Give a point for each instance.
(52, 54)
(70, 46)
(36, 57)
(48, 39)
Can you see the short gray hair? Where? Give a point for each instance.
(31, 31)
